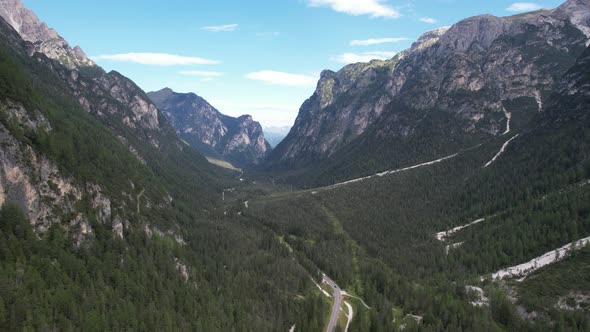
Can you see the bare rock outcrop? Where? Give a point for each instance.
(240, 140)
(470, 74)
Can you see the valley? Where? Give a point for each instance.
(444, 188)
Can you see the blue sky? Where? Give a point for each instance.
(260, 57)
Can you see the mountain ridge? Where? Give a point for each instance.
(240, 140)
(463, 83)
(45, 40)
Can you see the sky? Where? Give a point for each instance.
(258, 57)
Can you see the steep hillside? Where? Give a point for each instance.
(239, 140)
(482, 78)
(116, 102)
(44, 39)
(425, 241)
(109, 221)
(572, 98)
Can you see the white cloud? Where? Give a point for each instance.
(428, 20)
(221, 28)
(282, 78)
(375, 8)
(201, 73)
(158, 59)
(523, 7)
(363, 57)
(375, 41)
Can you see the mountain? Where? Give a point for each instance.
(572, 95)
(44, 39)
(74, 132)
(239, 140)
(408, 238)
(454, 89)
(109, 221)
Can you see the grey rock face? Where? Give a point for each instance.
(470, 71)
(110, 96)
(143, 113)
(35, 183)
(45, 39)
(31, 180)
(240, 140)
(428, 38)
(573, 92)
(577, 11)
(344, 105)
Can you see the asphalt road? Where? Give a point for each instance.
(337, 296)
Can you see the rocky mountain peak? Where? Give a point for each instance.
(25, 22)
(160, 95)
(239, 140)
(79, 52)
(576, 4)
(479, 30)
(246, 118)
(579, 13)
(466, 73)
(45, 39)
(428, 38)
(326, 74)
(166, 91)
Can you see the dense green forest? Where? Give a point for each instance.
(135, 284)
(252, 261)
(377, 237)
(238, 276)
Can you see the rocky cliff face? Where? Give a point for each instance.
(344, 105)
(110, 96)
(239, 140)
(43, 106)
(472, 75)
(32, 181)
(45, 39)
(572, 97)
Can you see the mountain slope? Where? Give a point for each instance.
(453, 90)
(377, 238)
(121, 106)
(573, 93)
(239, 140)
(110, 222)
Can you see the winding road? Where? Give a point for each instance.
(337, 303)
(502, 149)
(382, 174)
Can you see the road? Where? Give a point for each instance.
(502, 149)
(337, 303)
(340, 184)
(350, 315)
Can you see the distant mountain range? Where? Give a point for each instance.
(238, 140)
